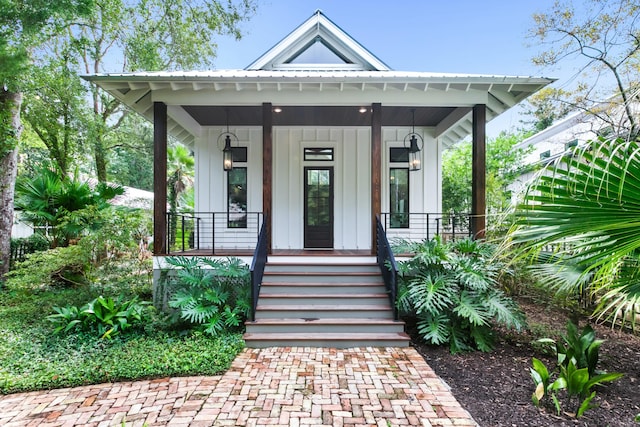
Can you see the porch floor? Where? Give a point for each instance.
(275, 252)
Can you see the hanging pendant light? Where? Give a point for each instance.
(416, 143)
(227, 151)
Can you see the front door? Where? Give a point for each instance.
(318, 207)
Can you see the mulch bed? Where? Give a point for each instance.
(496, 387)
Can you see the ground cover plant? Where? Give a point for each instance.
(33, 357)
(81, 314)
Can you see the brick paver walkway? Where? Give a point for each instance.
(267, 387)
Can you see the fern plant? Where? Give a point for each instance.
(211, 292)
(452, 290)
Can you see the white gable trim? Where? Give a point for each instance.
(318, 26)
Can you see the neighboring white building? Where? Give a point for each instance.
(551, 143)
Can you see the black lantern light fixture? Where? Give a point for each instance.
(227, 152)
(416, 144)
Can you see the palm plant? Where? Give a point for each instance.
(48, 198)
(180, 177)
(452, 290)
(579, 227)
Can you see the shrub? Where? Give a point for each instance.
(577, 357)
(452, 290)
(107, 317)
(23, 246)
(60, 266)
(212, 293)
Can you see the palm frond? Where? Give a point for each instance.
(589, 203)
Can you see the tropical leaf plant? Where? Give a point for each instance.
(105, 316)
(49, 199)
(575, 373)
(578, 226)
(211, 293)
(452, 290)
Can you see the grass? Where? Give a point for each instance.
(33, 358)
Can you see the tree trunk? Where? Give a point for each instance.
(10, 104)
(100, 158)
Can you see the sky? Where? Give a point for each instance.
(452, 36)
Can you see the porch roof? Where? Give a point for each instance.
(204, 98)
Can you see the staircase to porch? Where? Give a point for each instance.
(312, 303)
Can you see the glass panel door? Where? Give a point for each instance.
(318, 207)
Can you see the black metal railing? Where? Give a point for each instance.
(212, 232)
(257, 267)
(387, 263)
(425, 226)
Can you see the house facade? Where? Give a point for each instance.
(315, 140)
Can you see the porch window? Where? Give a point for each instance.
(399, 197)
(318, 154)
(237, 198)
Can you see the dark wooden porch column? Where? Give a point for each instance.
(159, 178)
(376, 169)
(478, 172)
(267, 167)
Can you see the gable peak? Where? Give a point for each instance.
(318, 44)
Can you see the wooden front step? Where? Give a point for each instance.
(335, 340)
(324, 304)
(337, 325)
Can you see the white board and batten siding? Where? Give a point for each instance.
(351, 177)
(211, 186)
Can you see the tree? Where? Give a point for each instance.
(54, 109)
(503, 166)
(602, 35)
(24, 24)
(160, 35)
(545, 107)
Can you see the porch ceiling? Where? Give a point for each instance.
(198, 99)
(291, 115)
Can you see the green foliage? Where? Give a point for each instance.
(110, 251)
(107, 317)
(23, 246)
(53, 108)
(504, 161)
(32, 358)
(209, 292)
(586, 208)
(452, 289)
(576, 373)
(51, 199)
(63, 266)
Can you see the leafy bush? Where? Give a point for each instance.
(48, 198)
(60, 266)
(209, 292)
(111, 240)
(105, 316)
(576, 373)
(27, 245)
(452, 290)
